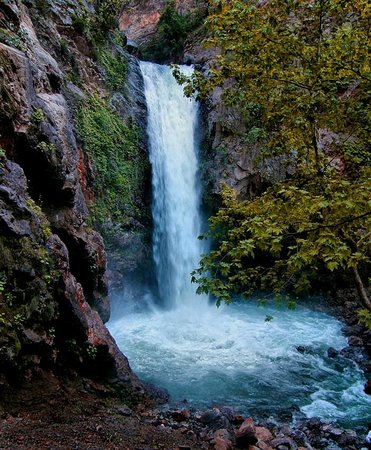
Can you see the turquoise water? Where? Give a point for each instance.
(231, 356)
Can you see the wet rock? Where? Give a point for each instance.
(17, 217)
(86, 321)
(299, 437)
(335, 432)
(246, 434)
(349, 439)
(301, 349)
(368, 439)
(367, 387)
(332, 353)
(214, 419)
(228, 412)
(355, 341)
(263, 446)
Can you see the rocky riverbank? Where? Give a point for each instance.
(78, 414)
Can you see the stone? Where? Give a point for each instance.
(246, 434)
(222, 440)
(180, 415)
(214, 419)
(263, 434)
(367, 387)
(336, 432)
(228, 412)
(314, 423)
(355, 341)
(332, 353)
(124, 411)
(263, 446)
(284, 443)
(299, 437)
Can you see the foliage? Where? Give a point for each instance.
(91, 351)
(13, 36)
(364, 317)
(281, 239)
(113, 147)
(104, 19)
(44, 223)
(106, 14)
(26, 301)
(115, 67)
(173, 29)
(46, 147)
(306, 64)
(37, 116)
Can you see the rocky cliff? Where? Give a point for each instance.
(139, 18)
(53, 285)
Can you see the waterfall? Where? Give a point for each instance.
(172, 122)
(228, 355)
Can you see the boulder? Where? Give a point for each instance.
(332, 353)
(355, 341)
(263, 434)
(222, 440)
(246, 434)
(214, 419)
(283, 443)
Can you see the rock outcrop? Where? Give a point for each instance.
(53, 284)
(139, 18)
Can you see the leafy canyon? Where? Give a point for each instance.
(276, 153)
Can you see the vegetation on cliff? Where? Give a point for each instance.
(301, 69)
(173, 29)
(119, 170)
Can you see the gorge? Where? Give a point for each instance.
(108, 175)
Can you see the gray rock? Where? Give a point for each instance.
(285, 442)
(124, 411)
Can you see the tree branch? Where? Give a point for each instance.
(361, 289)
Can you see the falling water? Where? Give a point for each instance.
(230, 355)
(172, 121)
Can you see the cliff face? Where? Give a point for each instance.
(139, 18)
(53, 286)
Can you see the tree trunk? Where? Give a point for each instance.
(361, 289)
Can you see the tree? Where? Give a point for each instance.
(303, 65)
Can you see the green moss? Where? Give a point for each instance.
(114, 66)
(113, 147)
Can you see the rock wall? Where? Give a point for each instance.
(53, 285)
(139, 18)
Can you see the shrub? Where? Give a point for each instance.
(114, 66)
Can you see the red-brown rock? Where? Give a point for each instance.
(246, 434)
